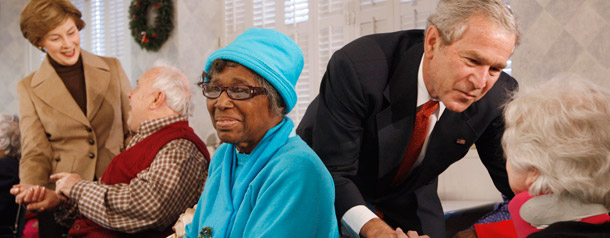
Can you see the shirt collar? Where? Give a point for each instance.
(423, 95)
(151, 126)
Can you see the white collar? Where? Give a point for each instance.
(541, 211)
(423, 95)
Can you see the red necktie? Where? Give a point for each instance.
(420, 130)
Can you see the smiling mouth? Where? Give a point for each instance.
(224, 123)
(70, 54)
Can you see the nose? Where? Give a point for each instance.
(66, 42)
(223, 101)
(479, 77)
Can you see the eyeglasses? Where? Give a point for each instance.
(236, 92)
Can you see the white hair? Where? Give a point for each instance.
(451, 17)
(562, 129)
(174, 84)
(10, 136)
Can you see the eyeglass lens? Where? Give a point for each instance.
(234, 92)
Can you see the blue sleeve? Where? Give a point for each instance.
(297, 200)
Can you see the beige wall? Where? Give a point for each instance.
(13, 52)
(562, 36)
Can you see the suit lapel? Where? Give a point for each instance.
(47, 85)
(97, 79)
(395, 123)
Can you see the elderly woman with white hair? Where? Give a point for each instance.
(10, 152)
(557, 145)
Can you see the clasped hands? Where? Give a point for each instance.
(377, 228)
(39, 198)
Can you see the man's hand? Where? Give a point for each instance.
(377, 228)
(64, 183)
(468, 233)
(410, 234)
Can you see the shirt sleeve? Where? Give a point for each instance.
(66, 213)
(152, 200)
(354, 219)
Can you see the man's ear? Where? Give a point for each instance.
(158, 99)
(432, 40)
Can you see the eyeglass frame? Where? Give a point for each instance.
(254, 91)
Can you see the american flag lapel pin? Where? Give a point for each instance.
(461, 141)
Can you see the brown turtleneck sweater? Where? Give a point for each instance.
(74, 79)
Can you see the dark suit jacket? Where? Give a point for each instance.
(362, 120)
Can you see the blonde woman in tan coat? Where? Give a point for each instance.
(73, 109)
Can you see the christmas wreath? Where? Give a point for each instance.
(151, 38)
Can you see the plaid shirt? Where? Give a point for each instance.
(154, 199)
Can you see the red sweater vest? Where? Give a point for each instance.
(126, 165)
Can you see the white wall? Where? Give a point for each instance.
(13, 51)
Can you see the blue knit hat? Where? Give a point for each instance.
(271, 54)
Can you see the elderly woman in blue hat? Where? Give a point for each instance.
(264, 181)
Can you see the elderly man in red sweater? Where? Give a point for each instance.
(147, 186)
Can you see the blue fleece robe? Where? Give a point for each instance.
(291, 196)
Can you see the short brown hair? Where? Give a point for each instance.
(41, 16)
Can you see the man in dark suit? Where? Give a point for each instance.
(363, 123)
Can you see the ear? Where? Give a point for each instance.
(532, 176)
(431, 41)
(158, 99)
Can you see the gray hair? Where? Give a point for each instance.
(276, 103)
(10, 136)
(562, 129)
(174, 84)
(451, 17)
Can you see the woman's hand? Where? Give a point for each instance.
(26, 193)
(37, 198)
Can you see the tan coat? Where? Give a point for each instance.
(57, 136)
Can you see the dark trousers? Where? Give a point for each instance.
(48, 227)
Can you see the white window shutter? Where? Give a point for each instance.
(328, 7)
(234, 13)
(97, 24)
(80, 4)
(414, 13)
(264, 13)
(304, 87)
(375, 16)
(116, 33)
(296, 11)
